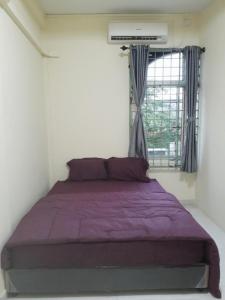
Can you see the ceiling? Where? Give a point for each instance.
(121, 6)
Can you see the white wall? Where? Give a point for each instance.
(210, 181)
(23, 143)
(87, 91)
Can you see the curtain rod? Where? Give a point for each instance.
(124, 48)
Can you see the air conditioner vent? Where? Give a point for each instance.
(142, 33)
(135, 38)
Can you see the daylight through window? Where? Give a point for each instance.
(163, 108)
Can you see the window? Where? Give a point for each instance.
(163, 108)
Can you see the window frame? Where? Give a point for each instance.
(176, 84)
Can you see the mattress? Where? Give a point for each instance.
(110, 223)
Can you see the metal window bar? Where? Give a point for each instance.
(163, 107)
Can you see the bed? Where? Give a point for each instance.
(109, 236)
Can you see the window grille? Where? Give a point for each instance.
(163, 108)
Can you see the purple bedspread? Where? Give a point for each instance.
(129, 213)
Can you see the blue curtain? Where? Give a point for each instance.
(189, 148)
(139, 59)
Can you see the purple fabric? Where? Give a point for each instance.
(127, 169)
(87, 169)
(101, 186)
(123, 254)
(148, 219)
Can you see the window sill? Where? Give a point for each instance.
(164, 170)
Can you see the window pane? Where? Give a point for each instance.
(162, 109)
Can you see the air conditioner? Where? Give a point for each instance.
(137, 33)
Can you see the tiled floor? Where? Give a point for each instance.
(219, 237)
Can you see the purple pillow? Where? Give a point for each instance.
(87, 169)
(127, 169)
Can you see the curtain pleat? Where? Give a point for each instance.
(189, 148)
(139, 59)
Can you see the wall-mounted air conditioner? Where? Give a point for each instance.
(137, 33)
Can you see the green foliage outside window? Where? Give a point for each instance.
(160, 119)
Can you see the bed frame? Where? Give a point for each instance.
(105, 280)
